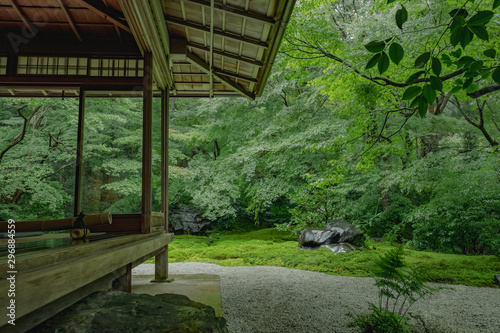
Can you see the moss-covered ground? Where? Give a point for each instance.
(271, 247)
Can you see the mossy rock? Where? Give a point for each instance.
(114, 311)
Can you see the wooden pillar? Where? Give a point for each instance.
(161, 260)
(147, 145)
(161, 266)
(124, 282)
(79, 154)
(165, 125)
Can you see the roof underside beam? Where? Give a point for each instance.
(70, 20)
(226, 54)
(23, 17)
(203, 66)
(187, 24)
(107, 13)
(235, 11)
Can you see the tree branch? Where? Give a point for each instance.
(18, 138)
(484, 91)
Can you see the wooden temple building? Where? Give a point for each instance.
(123, 48)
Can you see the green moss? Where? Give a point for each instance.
(271, 247)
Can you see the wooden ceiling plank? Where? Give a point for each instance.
(236, 11)
(200, 64)
(182, 23)
(70, 20)
(23, 17)
(105, 12)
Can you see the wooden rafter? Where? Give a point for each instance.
(235, 11)
(234, 75)
(23, 17)
(70, 20)
(220, 72)
(107, 13)
(226, 54)
(247, 40)
(203, 66)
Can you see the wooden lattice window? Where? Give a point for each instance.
(116, 67)
(52, 65)
(3, 65)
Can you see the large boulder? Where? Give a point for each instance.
(187, 220)
(114, 311)
(497, 278)
(338, 236)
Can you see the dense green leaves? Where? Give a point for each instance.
(436, 83)
(396, 52)
(480, 32)
(429, 93)
(490, 53)
(422, 106)
(375, 46)
(401, 17)
(496, 75)
(411, 79)
(422, 60)
(458, 34)
(436, 66)
(411, 92)
(373, 61)
(480, 18)
(383, 63)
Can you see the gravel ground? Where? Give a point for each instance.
(275, 299)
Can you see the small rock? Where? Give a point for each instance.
(497, 278)
(187, 220)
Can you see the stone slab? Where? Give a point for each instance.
(202, 288)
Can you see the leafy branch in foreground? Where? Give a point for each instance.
(446, 56)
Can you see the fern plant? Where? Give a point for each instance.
(400, 286)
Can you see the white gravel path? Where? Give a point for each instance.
(278, 300)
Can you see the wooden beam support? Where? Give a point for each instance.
(69, 82)
(23, 17)
(105, 12)
(77, 208)
(124, 282)
(235, 11)
(161, 266)
(200, 27)
(147, 145)
(226, 54)
(45, 45)
(70, 20)
(203, 66)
